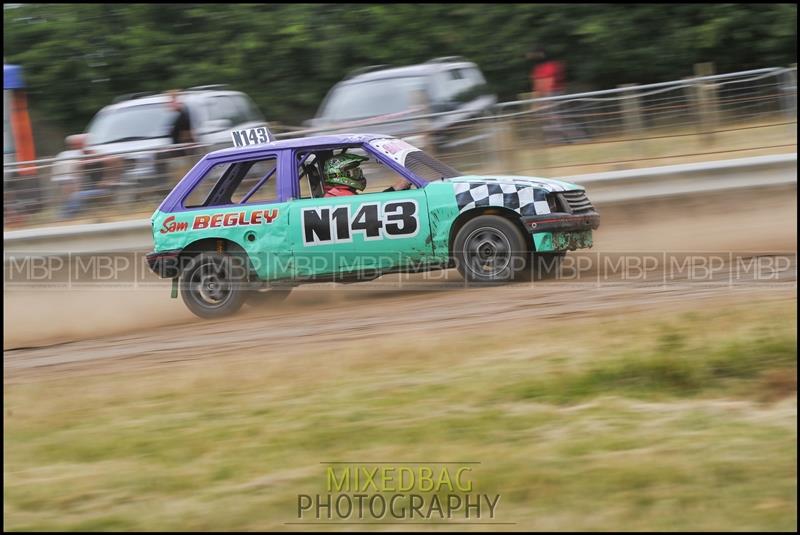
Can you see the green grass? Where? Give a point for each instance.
(681, 421)
(749, 368)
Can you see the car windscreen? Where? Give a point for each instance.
(147, 121)
(233, 108)
(377, 97)
(415, 160)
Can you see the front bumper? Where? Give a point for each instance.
(165, 264)
(562, 232)
(562, 222)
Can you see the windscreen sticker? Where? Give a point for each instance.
(396, 149)
(373, 220)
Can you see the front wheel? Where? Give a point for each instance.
(213, 286)
(490, 249)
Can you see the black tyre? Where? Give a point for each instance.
(490, 249)
(214, 285)
(266, 297)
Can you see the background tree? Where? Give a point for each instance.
(77, 57)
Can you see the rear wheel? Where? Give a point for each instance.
(213, 286)
(490, 249)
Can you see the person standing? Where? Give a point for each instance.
(547, 74)
(181, 131)
(181, 159)
(548, 80)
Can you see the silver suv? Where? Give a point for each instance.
(392, 95)
(139, 125)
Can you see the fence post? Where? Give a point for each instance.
(631, 109)
(790, 91)
(632, 115)
(504, 145)
(707, 101)
(536, 126)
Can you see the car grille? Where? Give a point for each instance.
(578, 201)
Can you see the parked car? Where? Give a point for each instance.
(251, 222)
(381, 94)
(139, 125)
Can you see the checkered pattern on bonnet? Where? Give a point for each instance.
(523, 198)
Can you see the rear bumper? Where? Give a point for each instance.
(164, 263)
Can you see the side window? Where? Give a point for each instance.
(379, 175)
(475, 75)
(202, 191)
(473, 85)
(262, 173)
(459, 85)
(222, 108)
(304, 163)
(310, 169)
(247, 182)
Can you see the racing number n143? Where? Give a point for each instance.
(395, 219)
(251, 136)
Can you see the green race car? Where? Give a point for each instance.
(250, 222)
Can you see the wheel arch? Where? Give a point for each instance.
(214, 244)
(501, 211)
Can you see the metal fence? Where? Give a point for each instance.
(702, 118)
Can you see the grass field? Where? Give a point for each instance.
(685, 420)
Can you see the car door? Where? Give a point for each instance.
(360, 233)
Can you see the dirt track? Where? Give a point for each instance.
(111, 330)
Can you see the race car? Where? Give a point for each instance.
(250, 222)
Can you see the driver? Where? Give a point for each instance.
(343, 176)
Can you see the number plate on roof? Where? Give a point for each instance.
(250, 136)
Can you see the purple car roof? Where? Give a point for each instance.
(170, 201)
(301, 142)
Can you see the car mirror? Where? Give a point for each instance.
(75, 141)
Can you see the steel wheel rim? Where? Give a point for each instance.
(209, 285)
(487, 252)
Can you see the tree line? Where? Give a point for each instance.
(78, 57)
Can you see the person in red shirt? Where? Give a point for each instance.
(547, 80)
(547, 76)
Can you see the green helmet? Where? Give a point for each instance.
(344, 170)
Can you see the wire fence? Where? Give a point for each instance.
(703, 118)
